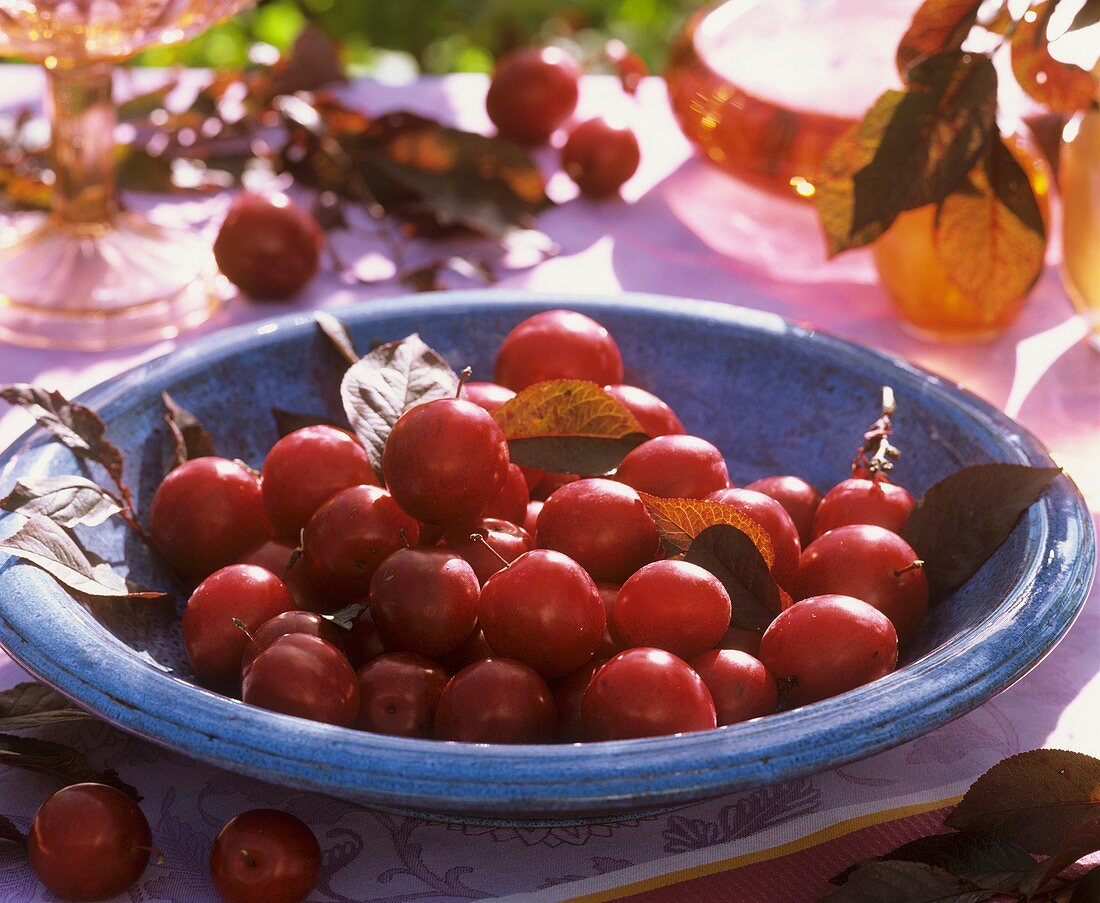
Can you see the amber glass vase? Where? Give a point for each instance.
(89, 274)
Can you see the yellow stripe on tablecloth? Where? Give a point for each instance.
(825, 835)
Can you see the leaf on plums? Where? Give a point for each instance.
(680, 521)
(43, 543)
(905, 882)
(568, 426)
(66, 500)
(345, 616)
(74, 425)
(734, 559)
(8, 831)
(964, 518)
(1082, 840)
(32, 704)
(989, 236)
(386, 382)
(58, 761)
(937, 26)
(1063, 87)
(565, 407)
(912, 148)
(987, 862)
(189, 437)
(286, 422)
(337, 333)
(1036, 799)
(584, 456)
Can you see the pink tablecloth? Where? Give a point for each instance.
(683, 229)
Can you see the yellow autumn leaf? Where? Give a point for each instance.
(679, 521)
(565, 407)
(989, 237)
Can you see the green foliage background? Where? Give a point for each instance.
(437, 35)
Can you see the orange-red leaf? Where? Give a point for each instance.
(1062, 87)
(990, 238)
(679, 521)
(565, 407)
(937, 25)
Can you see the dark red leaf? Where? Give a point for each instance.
(287, 422)
(189, 437)
(1063, 87)
(734, 559)
(587, 456)
(937, 26)
(1035, 799)
(964, 518)
(8, 831)
(989, 863)
(32, 704)
(58, 761)
(905, 882)
(912, 148)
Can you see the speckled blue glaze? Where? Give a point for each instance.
(774, 396)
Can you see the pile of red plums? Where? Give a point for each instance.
(499, 604)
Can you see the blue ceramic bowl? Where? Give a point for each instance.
(774, 396)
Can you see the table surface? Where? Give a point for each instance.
(682, 228)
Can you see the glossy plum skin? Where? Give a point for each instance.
(350, 535)
(533, 91)
(268, 247)
(506, 539)
(89, 842)
(672, 605)
(777, 523)
(531, 519)
(569, 696)
(675, 467)
(489, 396)
(275, 557)
(558, 344)
(872, 564)
(290, 622)
(496, 700)
(398, 695)
(798, 498)
(600, 524)
(654, 415)
(445, 461)
(511, 502)
(855, 501)
(646, 692)
(424, 601)
(600, 156)
(543, 610)
(826, 645)
(305, 469)
(213, 641)
(305, 676)
(739, 684)
(267, 855)
(208, 513)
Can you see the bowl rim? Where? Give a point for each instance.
(566, 780)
